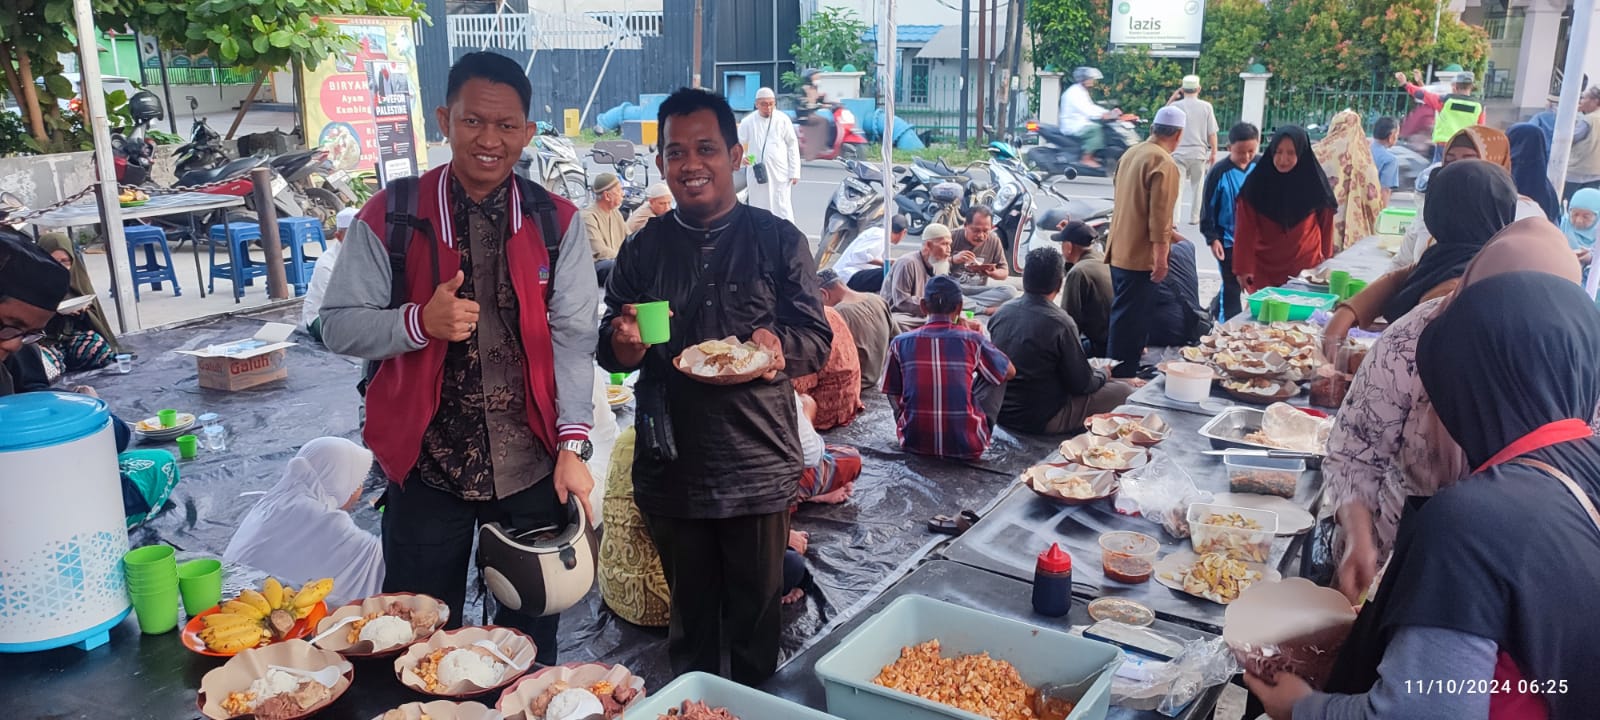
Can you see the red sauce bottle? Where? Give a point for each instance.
(1052, 582)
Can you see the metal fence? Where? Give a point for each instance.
(201, 76)
(538, 30)
(933, 104)
(1315, 106)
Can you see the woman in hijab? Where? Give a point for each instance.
(1478, 142)
(1284, 215)
(1386, 444)
(78, 339)
(301, 529)
(1530, 157)
(1579, 224)
(1346, 157)
(1473, 200)
(1489, 575)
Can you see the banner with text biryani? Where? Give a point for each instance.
(365, 108)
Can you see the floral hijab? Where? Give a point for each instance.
(1346, 157)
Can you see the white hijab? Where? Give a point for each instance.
(299, 531)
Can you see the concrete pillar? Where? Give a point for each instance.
(840, 85)
(1536, 58)
(1050, 99)
(1253, 107)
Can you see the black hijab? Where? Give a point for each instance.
(1468, 202)
(1507, 553)
(1530, 156)
(1287, 198)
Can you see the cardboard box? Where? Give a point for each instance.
(245, 363)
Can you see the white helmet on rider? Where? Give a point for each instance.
(1086, 73)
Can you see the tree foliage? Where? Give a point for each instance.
(829, 39)
(1305, 43)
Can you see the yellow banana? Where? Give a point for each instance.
(273, 592)
(222, 620)
(240, 607)
(235, 643)
(313, 593)
(255, 600)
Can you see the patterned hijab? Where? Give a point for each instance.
(1346, 158)
(80, 285)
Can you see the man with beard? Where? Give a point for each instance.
(716, 466)
(902, 289)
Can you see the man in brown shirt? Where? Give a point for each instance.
(603, 219)
(871, 324)
(978, 256)
(1141, 235)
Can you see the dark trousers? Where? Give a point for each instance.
(1132, 298)
(1229, 307)
(726, 579)
(867, 281)
(427, 545)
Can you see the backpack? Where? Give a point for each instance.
(401, 221)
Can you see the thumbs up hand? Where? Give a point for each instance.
(447, 317)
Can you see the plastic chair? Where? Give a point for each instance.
(295, 233)
(152, 271)
(234, 238)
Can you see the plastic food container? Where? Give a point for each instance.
(1302, 303)
(1264, 475)
(1393, 221)
(1128, 557)
(1189, 382)
(1207, 534)
(1042, 656)
(742, 701)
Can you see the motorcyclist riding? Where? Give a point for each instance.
(1081, 117)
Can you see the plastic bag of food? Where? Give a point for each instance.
(1161, 492)
(1168, 687)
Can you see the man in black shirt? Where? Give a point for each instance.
(716, 466)
(1176, 316)
(1055, 389)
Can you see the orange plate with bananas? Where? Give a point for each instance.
(302, 628)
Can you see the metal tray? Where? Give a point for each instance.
(1228, 428)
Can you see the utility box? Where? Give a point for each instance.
(640, 132)
(740, 89)
(571, 122)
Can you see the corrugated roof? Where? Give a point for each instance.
(904, 34)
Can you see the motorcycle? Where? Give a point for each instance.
(1065, 151)
(932, 192)
(553, 162)
(857, 203)
(134, 154)
(840, 141)
(311, 174)
(1008, 196)
(627, 166)
(204, 149)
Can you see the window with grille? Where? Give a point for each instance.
(917, 88)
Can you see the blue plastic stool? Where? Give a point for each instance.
(152, 271)
(296, 233)
(235, 239)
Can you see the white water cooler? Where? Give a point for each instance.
(62, 531)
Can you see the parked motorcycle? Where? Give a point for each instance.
(1010, 199)
(204, 149)
(553, 162)
(833, 137)
(1066, 151)
(631, 169)
(311, 174)
(932, 192)
(134, 154)
(857, 203)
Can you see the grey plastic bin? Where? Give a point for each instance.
(1041, 655)
(743, 702)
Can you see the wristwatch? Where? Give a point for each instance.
(582, 448)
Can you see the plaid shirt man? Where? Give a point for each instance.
(929, 377)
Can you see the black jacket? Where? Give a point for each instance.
(1177, 318)
(1042, 341)
(738, 446)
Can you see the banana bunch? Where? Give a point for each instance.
(255, 618)
(132, 195)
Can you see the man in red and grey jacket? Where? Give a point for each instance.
(480, 408)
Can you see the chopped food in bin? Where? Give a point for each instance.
(1264, 482)
(1216, 577)
(975, 683)
(694, 710)
(1233, 535)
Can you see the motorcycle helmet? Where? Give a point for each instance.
(1086, 73)
(144, 106)
(947, 192)
(539, 571)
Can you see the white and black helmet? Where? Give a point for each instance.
(1086, 73)
(539, 571)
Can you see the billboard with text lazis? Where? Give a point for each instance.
(1165, 28)
(364, 108)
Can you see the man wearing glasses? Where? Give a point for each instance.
(31, 285)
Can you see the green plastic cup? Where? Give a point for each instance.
(200, 585)
(655, 323)
(1337, 281)
(169, 418)
(1354, 288)
(1275, 311)
(618, 378)
(188, 446)
(157, 610)
(969, 314)
(138, 558)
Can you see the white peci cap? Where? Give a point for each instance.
(344, 218)
(766, 94)
(1172, 116)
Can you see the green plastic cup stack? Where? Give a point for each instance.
(152, 575)
(1354, 288)
(655, 324)
(1338, 280)
(200, 585)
